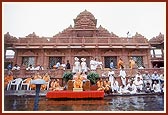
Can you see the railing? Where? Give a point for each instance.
(80, 40)
(58, 73)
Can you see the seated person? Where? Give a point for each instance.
(147, 87)
(78, 83)
(30, 67)
(46, 78)
(131, 88)
(52, 85)
(39, 67)
(123, 89)
(115, 87)
(100, 85)
(156, 87)
(139, 84)
(36, 76)
(147, 78)
(55, 86)
(16, 67)
(7, 79)
(107, 87)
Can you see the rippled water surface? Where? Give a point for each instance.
(115, 103)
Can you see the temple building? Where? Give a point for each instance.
(84, 39)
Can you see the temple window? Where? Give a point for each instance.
(138, 60)
(53, 60)
(108, 59)
(28, 61)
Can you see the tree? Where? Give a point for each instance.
(93, 77)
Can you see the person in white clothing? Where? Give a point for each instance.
(156, 87)
(39, 67)
(122, 74)
(16, 67)
(115, 86)
(111, 77)
(123, 90)
(131, 88)
(138, 75)
(99, 64)
(30, 67)
(155, 77)
(93, 64)
(76, 66)
(83, 65)
(139, 84)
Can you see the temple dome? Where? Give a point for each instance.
(85, 20)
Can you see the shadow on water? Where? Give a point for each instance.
(115, 103)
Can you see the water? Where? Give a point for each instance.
(115, 103)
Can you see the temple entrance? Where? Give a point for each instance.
(108, 59)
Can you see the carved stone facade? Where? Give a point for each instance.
(85, 39)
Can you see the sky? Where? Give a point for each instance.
(48, 19)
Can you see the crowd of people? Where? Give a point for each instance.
(146, 82)
(129, 83)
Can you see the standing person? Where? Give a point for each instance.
(83, 65)
(120, 63)
(111, 77)
(122, 74)
(111, 64)
(76, 66)
(57, 64)
(131, 65)
(68, 66)
(63, 65)
(99, 63)
(92, 64)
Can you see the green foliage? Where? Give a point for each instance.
(67, 76)
(93, 77)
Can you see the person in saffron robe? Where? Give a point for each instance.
(107, 87)
(7, 79)
(131, 65)
(120, 63)
(57, 85)
(36, 76)
(52, 85)
(78, 83)
(100, 85)
(46, 78)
